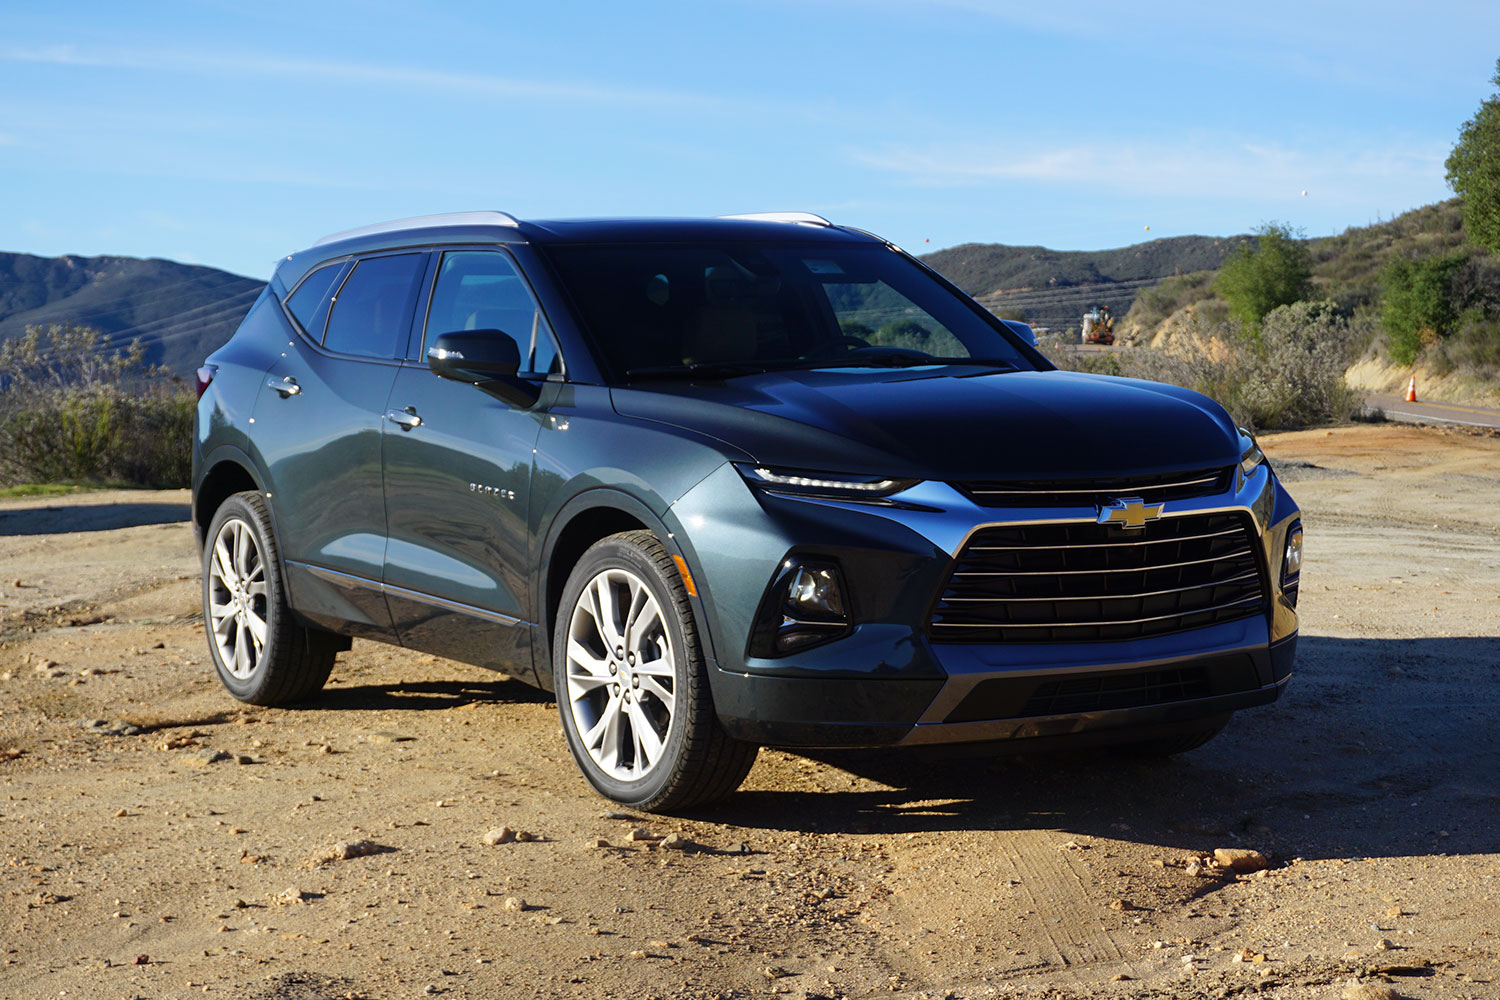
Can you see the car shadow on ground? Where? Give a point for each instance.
(423, 695)
(1380, 747)
(89, 517)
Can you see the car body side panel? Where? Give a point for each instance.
(457, 488)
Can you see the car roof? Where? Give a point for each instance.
(502, 227)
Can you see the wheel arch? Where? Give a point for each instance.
(582, 521)
(228, 471)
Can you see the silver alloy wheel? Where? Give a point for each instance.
(237, 599)
(621, 675)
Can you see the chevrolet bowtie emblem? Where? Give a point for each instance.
(1129, 512)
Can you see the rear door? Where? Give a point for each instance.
(458, 477)
(318, 426)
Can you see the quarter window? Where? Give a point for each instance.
(372, 311)
(482, 290)
(309, 303)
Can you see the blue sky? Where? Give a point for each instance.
(228, 133)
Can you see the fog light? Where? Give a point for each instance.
(804, 606)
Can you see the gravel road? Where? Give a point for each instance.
(161, 840)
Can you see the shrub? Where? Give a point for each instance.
(1275, 271)
(70, 410)
(1419, 306)
(1292, 377)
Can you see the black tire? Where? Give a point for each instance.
(294, 661)
(1179, 742)
(698, 761)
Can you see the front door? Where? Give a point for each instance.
(458, 476)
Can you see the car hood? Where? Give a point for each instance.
(951, 423)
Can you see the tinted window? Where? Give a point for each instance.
(309, 303)
(372, 311)
(656, 306)
(482, 290)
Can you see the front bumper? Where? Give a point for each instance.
(889, 683)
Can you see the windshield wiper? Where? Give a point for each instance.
(903, 360)
(703, 369)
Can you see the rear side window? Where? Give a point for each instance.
(309, 303)
(372, 311)
(482, 290)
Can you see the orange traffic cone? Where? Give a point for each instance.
(1411, 390)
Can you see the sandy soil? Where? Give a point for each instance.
(136, 865)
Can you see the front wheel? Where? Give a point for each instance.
(632, 684)
(260, 652)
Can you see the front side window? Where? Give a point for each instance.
(372, 311)
(652, 308)
(482, 290)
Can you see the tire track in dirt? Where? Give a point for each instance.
(1050, 877)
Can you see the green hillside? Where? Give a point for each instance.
(1346, 268)
(181, 312)
(1055, 287)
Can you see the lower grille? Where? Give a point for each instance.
(1102, 694)
(1105, 691)
(1087, 582)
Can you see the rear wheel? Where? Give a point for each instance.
(632, 684)
(260, 652)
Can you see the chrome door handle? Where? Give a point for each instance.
(286, 385)
(406, 419)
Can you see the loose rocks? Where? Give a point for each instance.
(515, 904)
(203, 758)
(1240, 859)
(1369, 991)
(108, 727)
(499, 835)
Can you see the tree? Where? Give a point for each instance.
(1419, 304)
(1474, 171)
(1274, 271)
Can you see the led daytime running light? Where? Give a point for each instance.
(809, 483)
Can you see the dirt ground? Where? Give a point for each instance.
(135, 864)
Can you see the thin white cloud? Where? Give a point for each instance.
(1210, 168)
(342, 71)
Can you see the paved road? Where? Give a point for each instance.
(1397, 408)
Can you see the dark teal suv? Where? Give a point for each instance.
(721, 483)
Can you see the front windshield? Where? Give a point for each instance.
(658, 309)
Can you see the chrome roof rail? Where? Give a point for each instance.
(425, 222)
(806, 218)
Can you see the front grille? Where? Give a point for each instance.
(1087, 582)
(1091, 492)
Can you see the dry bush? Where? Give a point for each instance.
(1293, 377)
(73, 411)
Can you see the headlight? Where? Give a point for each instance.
(1251, 457)
(1291, 563)
(804, 606)
(827, 484)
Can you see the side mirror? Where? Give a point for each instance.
(473, 356)
(488, 359)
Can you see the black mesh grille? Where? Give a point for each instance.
(1105, 691)
(1089, 492)
(1093, 582)
(1101, 694)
